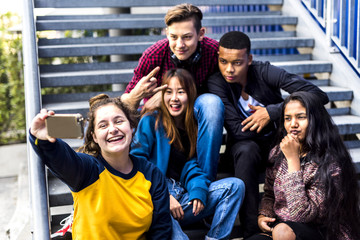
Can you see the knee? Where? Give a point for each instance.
(209, 105)
(246, 153)
(246, 146)
(282, 231)
(237, 187)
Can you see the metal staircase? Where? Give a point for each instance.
(272, 32)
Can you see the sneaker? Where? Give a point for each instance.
(65, 233)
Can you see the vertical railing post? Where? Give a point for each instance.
(329, 21)
(37, 176)
(358, 36)
(351, 28)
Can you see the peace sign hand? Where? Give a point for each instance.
(147, 86)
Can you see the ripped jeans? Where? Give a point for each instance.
(223, 202)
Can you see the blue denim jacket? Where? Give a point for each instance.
(153, 145)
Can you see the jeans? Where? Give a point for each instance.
(209, 113)
(223, 202)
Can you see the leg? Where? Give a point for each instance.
(247, 161)
(177, 232)
(224, 200)
(209, 113)
(177, 191)
(298, 231)
(282, 231)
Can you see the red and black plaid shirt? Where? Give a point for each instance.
(159, 55)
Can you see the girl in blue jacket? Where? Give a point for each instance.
(167, 137)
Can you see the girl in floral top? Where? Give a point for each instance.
(310, 190)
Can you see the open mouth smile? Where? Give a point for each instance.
(115, 139)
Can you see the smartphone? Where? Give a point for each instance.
(65, 126)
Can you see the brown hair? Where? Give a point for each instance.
(187, 82)
(184, 12)
(90, 146)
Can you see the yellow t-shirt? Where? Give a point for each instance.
(122, 207)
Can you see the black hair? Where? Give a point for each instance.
(235, 40)
(324, 146)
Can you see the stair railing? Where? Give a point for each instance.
(340, 20)
(37, 175)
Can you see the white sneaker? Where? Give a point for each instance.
(65, 233)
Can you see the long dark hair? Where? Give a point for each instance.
(187, 82)
(90, 146)
(324, 146)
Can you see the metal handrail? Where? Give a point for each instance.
(37, 174)
(340, 20)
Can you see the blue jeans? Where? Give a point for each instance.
(224, 200)
(209, 113)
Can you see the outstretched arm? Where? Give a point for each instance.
(71, 167)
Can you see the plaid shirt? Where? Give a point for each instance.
(159, 55)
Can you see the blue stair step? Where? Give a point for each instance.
(347, 124)
(113, 76)
(142, 3)
(157, 22)
(112, 48)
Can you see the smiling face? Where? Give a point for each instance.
(296, 120)
(176, 99)
(234, 64)
(183, 38)
(112, 131)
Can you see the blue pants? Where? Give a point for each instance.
(209, 113)
(223, 201)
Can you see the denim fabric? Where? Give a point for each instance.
(224, 200)
(209, 113)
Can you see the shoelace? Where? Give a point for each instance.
(65, 220)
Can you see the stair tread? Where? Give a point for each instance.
(305, 67)
(346, 119)
(132, 64)
(104, 41)
(111, 71)
(147, 15)
(140, 3)
(347, 124)
(157, 22)
(355, 154)
(147, 38)
(113, 48)
(335, 89)
(294, 63)
(337, 93)
(334, 93)
(113, 76)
